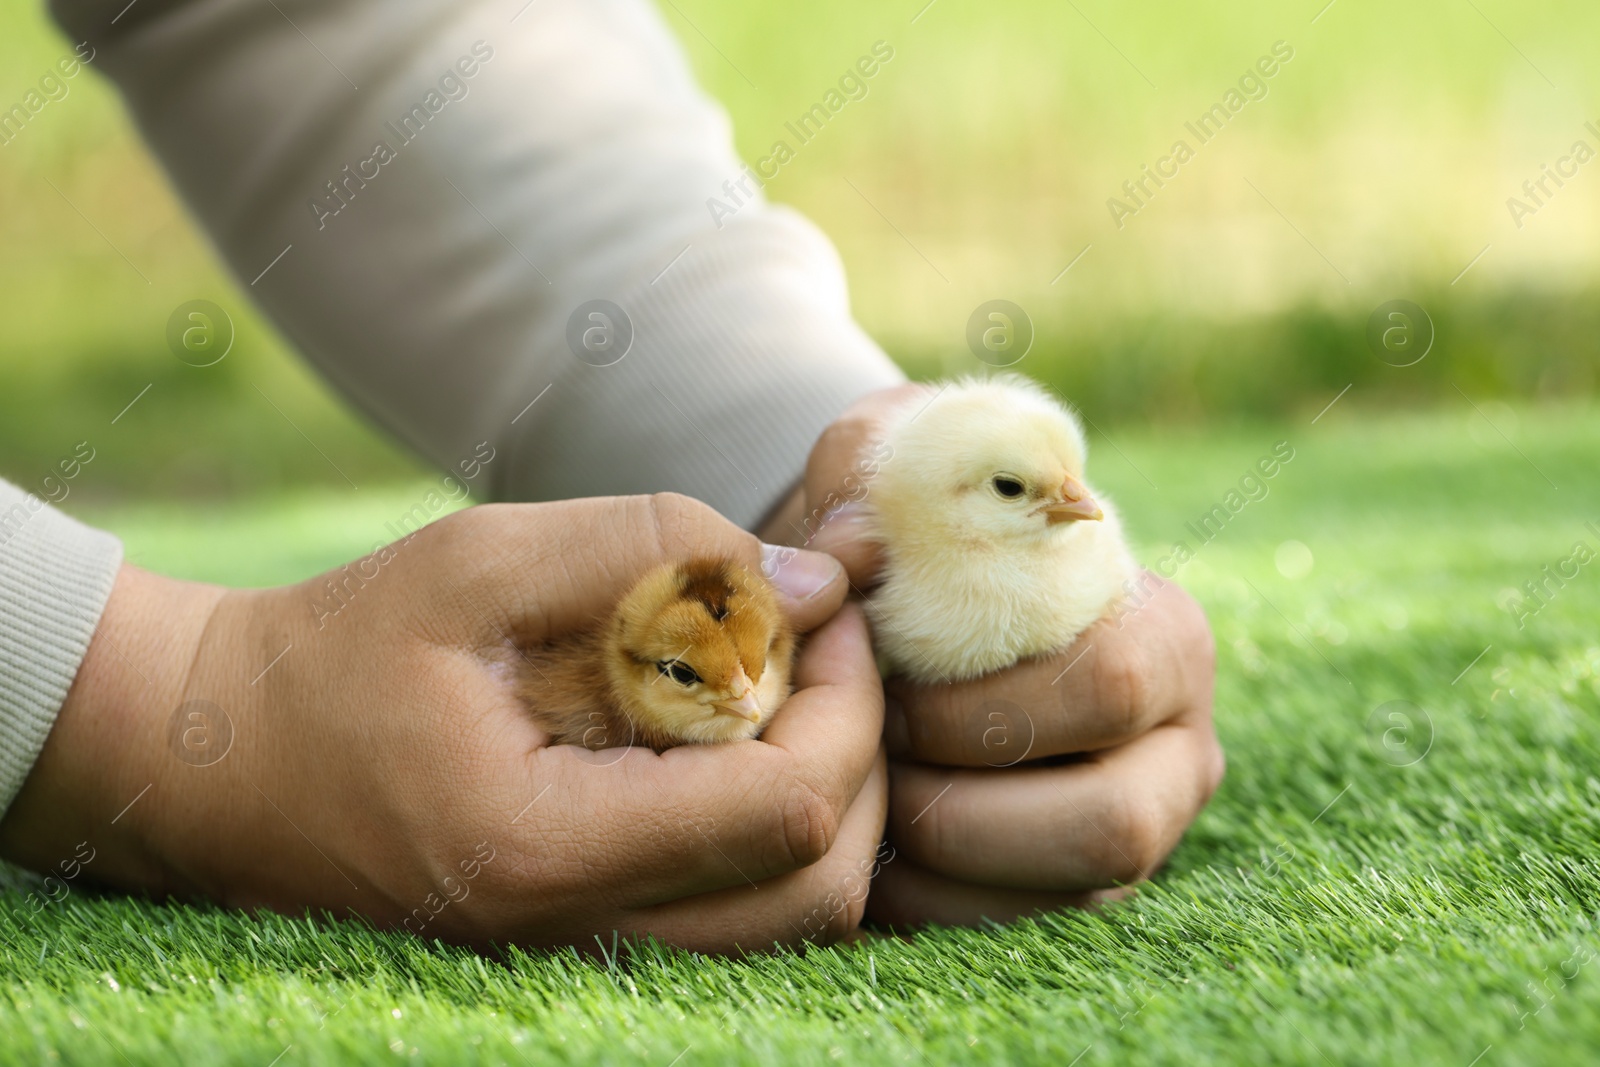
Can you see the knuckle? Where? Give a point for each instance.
(1202, 642)
(685, 526)
(677, 516)
(1120, 682)
(855, 911)
(1140, 837)
(846, 916)
(839, 903)
(1196, 643)
(810, 825)
(1146, 840)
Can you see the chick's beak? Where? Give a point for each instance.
(744, 703)
(1074, 505)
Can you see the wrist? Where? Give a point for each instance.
(103, 756)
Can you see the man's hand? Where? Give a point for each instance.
(984, 824)
(354, 743)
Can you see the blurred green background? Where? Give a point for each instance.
(978, 166)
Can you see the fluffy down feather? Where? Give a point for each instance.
(995, 547)
(695, 653)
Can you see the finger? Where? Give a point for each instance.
(817, 905)
(810, 585)
(830, 729)
(703, 817)
(1109, 820)
(541, 570)
(905, 895)
(838, 480)
(1127, 673)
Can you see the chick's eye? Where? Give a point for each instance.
(1008, 487)
(678, 671)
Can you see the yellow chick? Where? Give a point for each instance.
(995, 547)
(695, 653)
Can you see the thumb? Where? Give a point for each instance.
(838, 481)
(538, 571)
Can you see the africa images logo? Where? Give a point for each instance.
(452, 86)
(852, 86)
(1252, 85)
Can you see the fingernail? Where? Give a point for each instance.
(797, 573)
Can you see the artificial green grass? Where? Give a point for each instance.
(1352, 895)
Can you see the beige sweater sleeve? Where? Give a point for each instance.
(427, 195)
(55, 578)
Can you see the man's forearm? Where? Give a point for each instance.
(427, 238)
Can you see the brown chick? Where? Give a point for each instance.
(695, 653)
